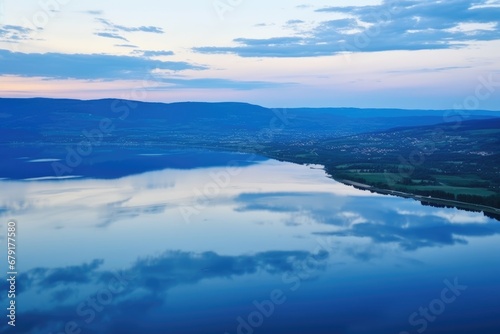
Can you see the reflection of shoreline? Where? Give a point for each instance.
(424, 199)
(316, 166)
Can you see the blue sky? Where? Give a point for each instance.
(284, 53)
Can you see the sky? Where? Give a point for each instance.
(281, 53)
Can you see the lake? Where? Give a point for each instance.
(242, 245)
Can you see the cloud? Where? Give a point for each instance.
(431, 70)
(412, 231)
(142, 286)
(126, 45)
(84, 66)
(173, 268)
(115, 27)
(94, 12)
(264, 25)
(111, 35)
(149, 53)
(112, 30)
(408, 229)
(62, 295)
(50, 278)
(112, 67)
(392, 25)
(14, 34)
(160, 273)
(18, 29)
(424, 232)
(116, 213)
(69, 275)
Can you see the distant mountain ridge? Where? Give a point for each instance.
(43, 119)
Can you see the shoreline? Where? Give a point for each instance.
(420, 198)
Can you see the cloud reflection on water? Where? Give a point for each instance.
(265, 223)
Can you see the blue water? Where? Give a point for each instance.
(257, 247)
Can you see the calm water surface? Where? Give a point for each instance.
(261, 247)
